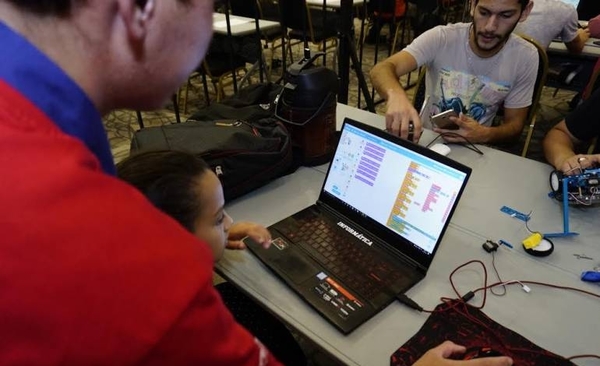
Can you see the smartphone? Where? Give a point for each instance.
(442, 120)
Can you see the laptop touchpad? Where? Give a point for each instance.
(292, 265)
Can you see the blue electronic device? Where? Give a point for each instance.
(574, 190)
(590, 276)
(514, 213)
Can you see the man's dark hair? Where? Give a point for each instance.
(169, 180)
(522, 2)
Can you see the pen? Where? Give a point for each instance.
(505, 243)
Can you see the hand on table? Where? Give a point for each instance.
(240, 230)
(439, 355)
(574, 164)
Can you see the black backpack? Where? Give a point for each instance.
(252, 103)
(244, 155)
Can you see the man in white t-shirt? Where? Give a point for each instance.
(471, 68)
(550, 19)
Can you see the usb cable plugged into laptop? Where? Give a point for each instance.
(413, 305)
(408, 302)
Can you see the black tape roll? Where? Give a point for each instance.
(544, 249)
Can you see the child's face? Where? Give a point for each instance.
(213, 224)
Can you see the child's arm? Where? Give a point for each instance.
(240, 230)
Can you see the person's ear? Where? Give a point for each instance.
(136, 15)
(526, 11)
(472, 8)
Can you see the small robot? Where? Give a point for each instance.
(581, 189)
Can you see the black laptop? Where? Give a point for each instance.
(380, 217)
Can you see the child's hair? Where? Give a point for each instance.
(169, 180)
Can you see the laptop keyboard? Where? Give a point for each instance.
(361, 269)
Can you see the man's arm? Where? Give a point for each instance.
(579, 126)
(511, 128)
(559, 149)
(576, 45)
(559, 146)
(400, 111)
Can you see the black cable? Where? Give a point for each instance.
(468, 144)
(434, 140)
(408, 302)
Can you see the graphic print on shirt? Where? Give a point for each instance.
(476, 96)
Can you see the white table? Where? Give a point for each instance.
(589, 50)
(561, 321)
(558, 54)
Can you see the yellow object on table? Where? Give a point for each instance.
(532, 240)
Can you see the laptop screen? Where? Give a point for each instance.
(399, 188)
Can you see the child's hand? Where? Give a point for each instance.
(240, 230)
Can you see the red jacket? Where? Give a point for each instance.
(90, 272)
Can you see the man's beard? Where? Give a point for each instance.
(497, 46)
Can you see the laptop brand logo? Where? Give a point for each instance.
(355, 233)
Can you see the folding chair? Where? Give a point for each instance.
(540, 81)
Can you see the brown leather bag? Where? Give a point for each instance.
(307, 105)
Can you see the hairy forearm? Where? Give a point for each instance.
(577, 44)
(557, 147)
(506, 132)
(386, 82)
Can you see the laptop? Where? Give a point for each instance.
(379, 220)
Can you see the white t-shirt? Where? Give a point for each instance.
(550, 19)
(459, 79)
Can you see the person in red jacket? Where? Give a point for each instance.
(87, 272)
(87, 275)
(184, 187)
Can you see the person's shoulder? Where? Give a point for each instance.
(77, 230)
(560, 11)
(449, 33)
(454, 29)
(519, 44)
(559, 6)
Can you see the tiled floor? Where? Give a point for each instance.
(120, 126)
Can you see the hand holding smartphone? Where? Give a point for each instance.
(442, 120)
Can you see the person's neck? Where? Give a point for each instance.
(482, 53)
(59, 40)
